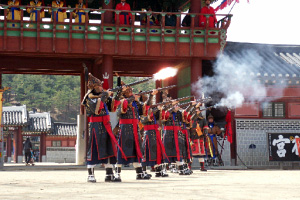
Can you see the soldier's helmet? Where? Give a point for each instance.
(93, 82)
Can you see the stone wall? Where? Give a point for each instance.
(61, 154)
(254, 131)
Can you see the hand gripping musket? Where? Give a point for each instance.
(130, 84)
(170, 102)
(158, 89)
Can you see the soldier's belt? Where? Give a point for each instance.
(150, 127)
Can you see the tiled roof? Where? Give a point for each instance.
(15, 116)
(278, 61)
(38, 122)
(64, 129)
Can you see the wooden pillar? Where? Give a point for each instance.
(233, 145)
(108, 16)
(8, 148)
(196, 70)
(107, 67)
(196, 8)
(43, 147)
(82, 91)
(18, 145)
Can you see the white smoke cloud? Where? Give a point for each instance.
(236, 79)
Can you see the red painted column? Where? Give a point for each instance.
(196, 71)
(107, 67)
(158, 96)
(233, 146)
(43, 147)
(8, 148)
(196, 8)
(108, 16)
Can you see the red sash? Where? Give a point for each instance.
(159, 144)
(106, 122)
(185, 132)
(135, 123)
(175, 129)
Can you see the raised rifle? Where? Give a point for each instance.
(158, 89)
(202, 100)
(170, 102)
(130, 84)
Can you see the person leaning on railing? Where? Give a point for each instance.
(124, 17)
(14, 13)
(61, 14)
(79, 13)
(212, 20)
(33, 11)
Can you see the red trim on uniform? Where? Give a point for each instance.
(116, 104)
(185, 132)
(106, 122)
(134, 122)
(125, 105)
(160, 149)
(175, 129)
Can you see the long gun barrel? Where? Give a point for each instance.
(130, 84)
(170, 102)
(202, 100)
(158, 89)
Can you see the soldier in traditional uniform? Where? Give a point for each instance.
(185, 128)
(14, 13)
(79, 13)
(173, 138)
(154, 150)
(60, 14)
(33, 11)
(130, 139)
(213, 131)
(198, 126)
(102, 146)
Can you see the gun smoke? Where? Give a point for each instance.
(236, 80)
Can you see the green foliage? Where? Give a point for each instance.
(58, 94)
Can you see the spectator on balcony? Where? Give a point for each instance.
(153, 18)
(14, 13)
(124, 17)
(208, 10)
(33, 11)
(79, 13)
(170, 20)
(187, 20)
(60, 14)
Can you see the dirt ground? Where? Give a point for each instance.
(213, 184)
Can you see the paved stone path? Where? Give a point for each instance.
(214, 184)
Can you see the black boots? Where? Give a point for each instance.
(184, 170)
(140, 175)
(91, 178)
(160, 172)
(110, 176)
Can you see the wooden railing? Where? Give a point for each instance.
(96, 29)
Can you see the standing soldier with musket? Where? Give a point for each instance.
(213, 131)
(173, 137)
(130, 139)
(154, 150)
(198, 129)
(102, 146)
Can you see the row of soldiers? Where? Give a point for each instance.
(60, 14)
(168, 132)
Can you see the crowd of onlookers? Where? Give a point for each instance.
(59, 14)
